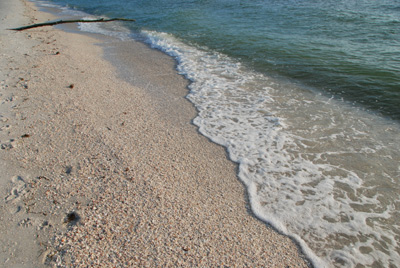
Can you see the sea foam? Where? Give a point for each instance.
(312, 165)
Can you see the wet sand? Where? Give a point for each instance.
(103, 168)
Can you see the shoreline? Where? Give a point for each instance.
(103, 172)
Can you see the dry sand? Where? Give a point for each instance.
(101, 172)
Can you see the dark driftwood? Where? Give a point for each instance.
(66, 21)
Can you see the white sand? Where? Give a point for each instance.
(147, 190)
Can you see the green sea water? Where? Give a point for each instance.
(348, 49)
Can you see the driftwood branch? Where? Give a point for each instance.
(66, 21)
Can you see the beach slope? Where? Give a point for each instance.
(97, 171)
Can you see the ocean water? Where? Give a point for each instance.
(305, 96)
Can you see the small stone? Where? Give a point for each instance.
(72, 218)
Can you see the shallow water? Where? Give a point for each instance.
(347, 48)
(317, 166)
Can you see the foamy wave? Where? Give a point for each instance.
(309, 162)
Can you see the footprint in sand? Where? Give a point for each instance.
(5, 128)
(37, 223)
(3, 85)
(18, 189)
(9, 144)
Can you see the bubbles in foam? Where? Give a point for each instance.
(317, 169)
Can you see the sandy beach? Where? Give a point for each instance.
(102, 167)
